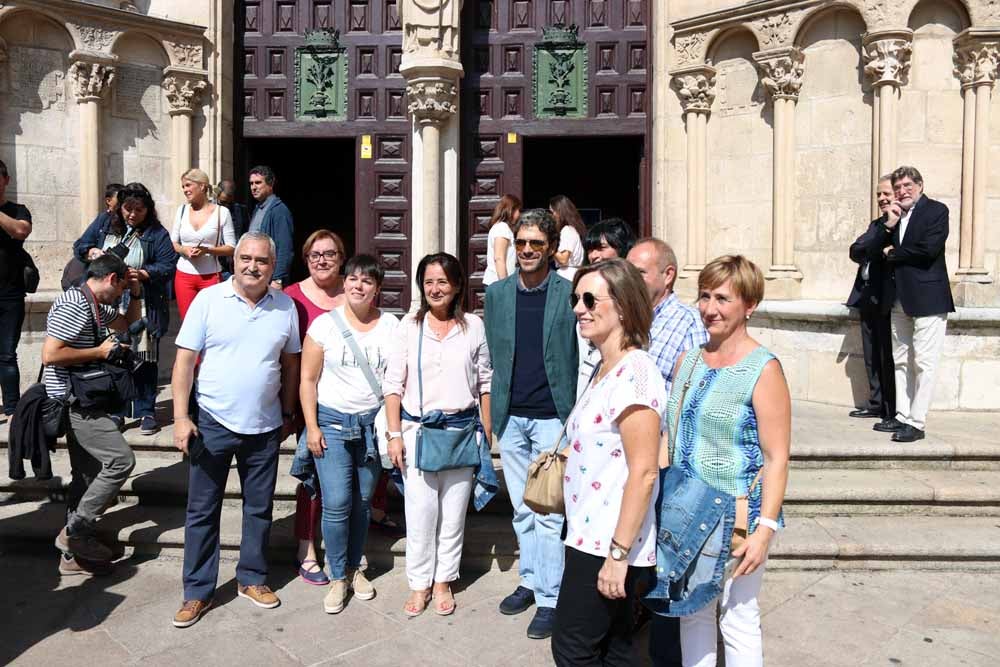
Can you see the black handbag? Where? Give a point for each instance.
(102, 386)
(31, 275)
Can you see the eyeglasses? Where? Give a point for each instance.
(589, 300)
(904, 186)
(326, 254)
(536, 244)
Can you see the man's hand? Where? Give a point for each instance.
(893, 214)
(107, 346)
(276, 284)
(184, 430)
(886, 250)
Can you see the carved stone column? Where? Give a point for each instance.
(183, 88)
(92, 75)
(887, 61)
(781, 76)
(432, 69)
(977, 54)
(695, 87)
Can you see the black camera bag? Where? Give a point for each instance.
(101, 386)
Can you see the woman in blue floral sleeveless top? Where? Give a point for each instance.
(734, 434)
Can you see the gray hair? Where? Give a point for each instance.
(885, 177)
(665, 255)
(258, 236)
(907, 172)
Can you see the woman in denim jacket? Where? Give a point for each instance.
(339, 407)
(735, 428)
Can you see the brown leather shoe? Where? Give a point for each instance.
(76, 565)
(260, 595)
(191, 612)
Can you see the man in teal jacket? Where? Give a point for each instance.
(531, 331)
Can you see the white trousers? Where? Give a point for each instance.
(916, 350)
(739, 621)
(436, 503)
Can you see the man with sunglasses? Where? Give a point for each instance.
(531, 331)
(917, 295)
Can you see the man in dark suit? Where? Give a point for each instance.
(876, 337)
(226, 196)
(916, 293)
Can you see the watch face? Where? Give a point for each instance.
(617, 554)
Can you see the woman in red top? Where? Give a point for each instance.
(323, 253)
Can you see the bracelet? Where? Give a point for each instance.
(770, 523)
(288, 415)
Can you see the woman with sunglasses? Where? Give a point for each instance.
(135, 234)
(323, 253)
(202, 233)
(439, 368)
(500, 260)
(611, 474)
(569, 256)
(734, 434)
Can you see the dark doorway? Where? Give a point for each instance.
(315, 178)
(601, 175)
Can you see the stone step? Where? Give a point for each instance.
(957, 543)
(854, 450)
(159, 480)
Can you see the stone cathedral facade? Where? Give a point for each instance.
(718, 125)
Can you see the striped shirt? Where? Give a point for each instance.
(70, 321)
(676, 328)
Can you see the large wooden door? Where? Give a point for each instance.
(272, 36)
(500, 106)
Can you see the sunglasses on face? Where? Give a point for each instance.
(536, 244)
(588, 298)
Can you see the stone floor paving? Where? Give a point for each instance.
(815, 619)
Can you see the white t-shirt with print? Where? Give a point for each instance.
(342, 384)
(596, 470)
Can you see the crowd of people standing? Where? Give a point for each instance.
(580, 347)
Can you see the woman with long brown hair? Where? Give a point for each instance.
(500, 259)
(569, 256)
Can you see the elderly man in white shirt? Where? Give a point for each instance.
(247, 336)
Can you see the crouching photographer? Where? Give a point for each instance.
(91, 369)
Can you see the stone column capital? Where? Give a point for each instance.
(183, 88)
(432, 99)
(977, 57)
(91, 79)
(781, 71)
(887, 56)
(695, 86)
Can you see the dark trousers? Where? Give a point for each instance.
(876, 343)
(11, 320)
(146, 385)
(590, 629)
(257, 463)
(665, 641)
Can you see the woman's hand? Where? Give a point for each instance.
(315, 442)
(94, 253)
(753, 552)
(194, 251)
(611, 578)
(397, 452)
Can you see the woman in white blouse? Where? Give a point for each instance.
(611, 474)
(202, 233)
(339, 405)
(500, 258)
(454, 363)
(569, 256)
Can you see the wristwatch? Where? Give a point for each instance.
(619, 552)
(389, 435)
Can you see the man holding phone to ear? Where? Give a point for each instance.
(917, 294)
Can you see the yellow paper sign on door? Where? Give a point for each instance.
(512, 137)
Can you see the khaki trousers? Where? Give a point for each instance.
(916, 350)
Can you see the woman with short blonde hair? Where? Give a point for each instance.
(202, 232)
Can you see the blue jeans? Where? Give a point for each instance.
(11, 320)
(539, 537)
(212, 454)
(347, 482)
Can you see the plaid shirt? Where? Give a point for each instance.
(676, 328)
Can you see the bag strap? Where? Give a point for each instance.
(680, 409)
(359, 355)
(420, 373)
(562, 432)
(94, 310)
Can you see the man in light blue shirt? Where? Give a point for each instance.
(247, 336)
(676, 327)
